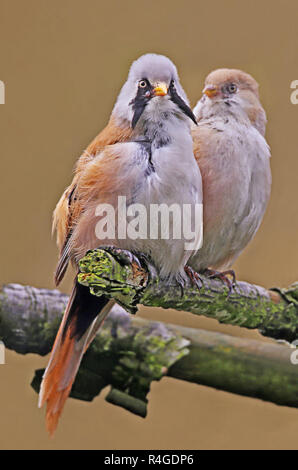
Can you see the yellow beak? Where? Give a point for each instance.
(210, 91)
(161, 89)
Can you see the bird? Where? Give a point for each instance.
(145, 153)
(234, 160)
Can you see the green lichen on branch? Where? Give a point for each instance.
(247, 306)
(99, 271)
(127, 357)
(30, 317)
(130, 352)
(247, 367)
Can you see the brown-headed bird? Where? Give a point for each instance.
(233, 157)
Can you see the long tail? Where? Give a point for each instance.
(83, 317)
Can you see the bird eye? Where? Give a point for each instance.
(142, 83)
(232, 88)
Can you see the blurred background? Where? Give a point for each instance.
(63, 63)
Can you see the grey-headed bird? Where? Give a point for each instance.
(145, 154)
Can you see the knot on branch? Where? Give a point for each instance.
(289, 294)
(114, 275)
(282, 323)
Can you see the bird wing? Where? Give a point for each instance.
(69, 207)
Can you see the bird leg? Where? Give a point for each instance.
(193, 276)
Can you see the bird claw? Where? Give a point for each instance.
(194, 277)
(125, 257)
(223, 276)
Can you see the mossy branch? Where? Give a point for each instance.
(274, 312)
(129, 352)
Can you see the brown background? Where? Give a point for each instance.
(63, 63)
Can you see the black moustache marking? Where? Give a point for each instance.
(144, 95)
(181, 104)
(140, 102)
(138, 107)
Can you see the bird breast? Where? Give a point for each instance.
(168, 175)
(234, 163)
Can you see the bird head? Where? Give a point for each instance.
(152, 89)
(235, 91)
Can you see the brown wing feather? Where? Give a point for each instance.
(69, 208)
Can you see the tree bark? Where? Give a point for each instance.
(130, 352)
(274, 312)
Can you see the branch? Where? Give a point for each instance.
(274, 312)
(30, 318)
(130, 352)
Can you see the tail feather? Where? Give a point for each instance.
(83, 316)
(63, 260)
(92, 332)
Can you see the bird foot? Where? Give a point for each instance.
(194, 277)
(125, 257)
(223, 276)
(139, 261)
